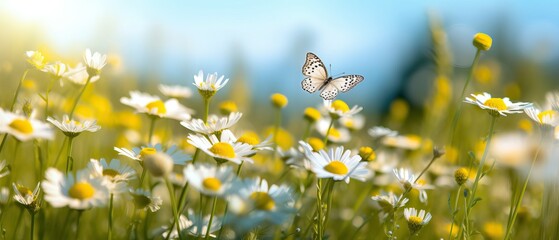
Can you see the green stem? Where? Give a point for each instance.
(330, 188)
(227, 205)
(201, 214)
(276, 130)
(328, 132)
(151, 128)
(307, 131)
(111, 212)
(356, 208)
(69, 159)
(59, 154)
(510, 225)
(32, 225)
(78, 224)
(206, 108)
(454, 212)
(211, 219)
(13, 104)
(142, 177)
(185, 187)
(319, 207)
(174, 207)
(79, 96)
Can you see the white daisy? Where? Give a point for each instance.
(336, 135)
(73, 128)
(94, 62)
(354, 123)
(26, 197)
(4, 170)
(211, 83)
(338, 109)
(80, 193)
(295, 158)
(35, 59)
(116, 173)
(57, 70)
(24, 128)
(408, 182)
(416, 220)
(496, 106)
(336, 164)
(257, 203)
(144, 199)
(79, 75)
(215, 124)
(546, 117)
(387, 201)
(210, 180)
(408, 142)
(179, 157)
(225, 148)
(175, 91)
(191, 225)
(252, 139)
(153, 106)
(380, 132)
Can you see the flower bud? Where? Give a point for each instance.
(158, 164)
(482, 41)
(279, 100)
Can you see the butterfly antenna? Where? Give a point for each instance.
(330, 67)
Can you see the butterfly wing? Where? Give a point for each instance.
(329, 92)
(347, 82)
(315, 73)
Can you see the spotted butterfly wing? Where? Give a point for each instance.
(315, 72)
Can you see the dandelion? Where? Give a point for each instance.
(153, 106)
(223, 149)
(213, 125)
(416, 220)
(175, 91)
(23, 128)
(497, 106)
(211, 180)
(73, 128)
(81, 192)
(145, 200)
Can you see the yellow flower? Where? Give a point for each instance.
(284, 139)
(482, 41)
(399, 110)
(278, 100)
(227, 107)
(493, 230)
(312, 114)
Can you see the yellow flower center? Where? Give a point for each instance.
(340, 105)
(157, 104)
(279, 100)
(316, 144)
(73, 122)
(24, 191)
(110, 173)
(461, 176)
(311, 114)
(263, 201)
(334, 133)
(349, 123)
(367, 153)
(415, 220)
(81, 191)
(223, 149)
(227, 107)
(496, 103)
(250, 138)
(482, 41)
(147, 151)
(336, 167)
(546, 114)
(212, 183)
(22, 125)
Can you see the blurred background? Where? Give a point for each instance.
(264, 43)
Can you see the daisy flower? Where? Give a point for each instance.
(252, 139)
(408, 182)
(153, 106)
(353, 123)
(116, 173)
(179, 157)
(381, 132)
(408, 142)
(295, 158)
(175, 91)
(144, 199)
(338, 109)
(256, 202)
(79, 76)
(336, 164)
(416, 220)
(4, 170)
(26, 197)
(215, 124)
(73, 128)
(79, 193)
(546, 117)
(336, 135)
(225, 148)
(191, 225)
(24, 128)
(210, 180)
(57, 70)
(35, 59)
(497, 106)
(389, 201)
(210, 84)
(94, 62)
(4, 196)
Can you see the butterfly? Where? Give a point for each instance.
(317, 79)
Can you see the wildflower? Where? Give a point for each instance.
(26, 197)
(57, 70)
(409, 142)
(193, 225)
(117, 173)
(257, 202)
(461, 176)
(4, 196)
(353, 123)
(175, 91)
(73, 128)
(312, 114)
(4, 170)
(153, 106)
(336, 164)
(367, 154)
(283, 139)
(144, 199)
(381, 132)
(228, 107)
(399, 110)
(35, 59)
(223, 149)
(316, 144)
(295, 158)
(497, 106)
(94, 62)
(278, 100)
(24, 128)
(416, 221)
(158, 164)
(408, 181)
(211, 180)
(338, 109)
(335, 135)
(390, 201)
(493, 230)
(80, 193)
(207, 88)
(215, 124)
(251, 138)
(79, 76)
(138, 154)
(482, 41)
(512, 149)
(547, 117)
